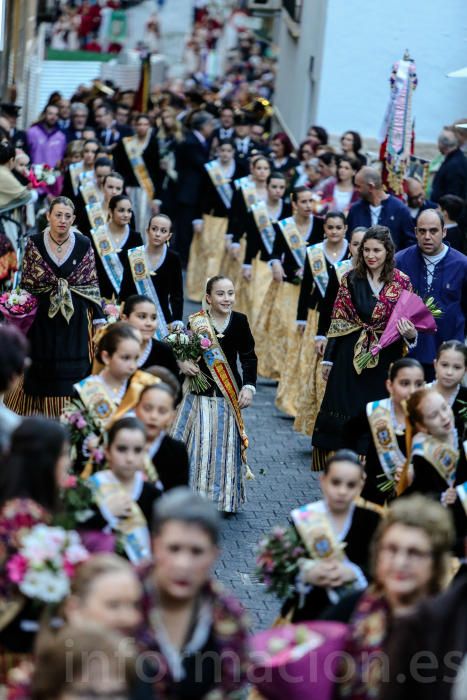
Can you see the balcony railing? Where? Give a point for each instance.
(294, 9)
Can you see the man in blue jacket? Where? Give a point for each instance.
(378, 207)
(436, 270)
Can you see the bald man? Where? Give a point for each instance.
(378, 207)
(416, 198)
(436, 270)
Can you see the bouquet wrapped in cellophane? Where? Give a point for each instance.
(187, 345)
(411, 307)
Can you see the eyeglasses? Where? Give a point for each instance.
(411, 553)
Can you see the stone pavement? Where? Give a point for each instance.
(280, 460)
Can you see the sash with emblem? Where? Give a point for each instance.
(384, 436)
(132, 528)
(97, 399)
(342, 267)
(220, 182)
(220, 371)
(264, 225)
(315, 528)
(318, 267)
(104, 245)
(442, 457)
(76, 170)
(142, 278)
(135, 152)
(248, 188)
(293, 239)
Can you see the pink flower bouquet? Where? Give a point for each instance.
(19, 308)
(45, 563)
(411, 307)
(297, 662)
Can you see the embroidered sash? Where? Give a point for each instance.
(318, 267)
(293, 240)
(315, 528)
(248, 188)
(316, 532)
(104, 245)
(76, 170)
(220, 182)
(142, 278)
(341, 268)
(384, 436)
(264, 225)
(442, 457)
(133, 527)
(220, 371)
(97, 399)
(134, 152)
(89, 191)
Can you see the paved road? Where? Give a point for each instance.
(287, 481)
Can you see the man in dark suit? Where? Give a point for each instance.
(244, 144)
(109, 132)
(225, 130)
(451, 178)
(191, 155)
(78, 117)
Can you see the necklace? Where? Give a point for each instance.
(399, 428)
(452, 396)
(220, 330)
(57, 243)
(118, 392)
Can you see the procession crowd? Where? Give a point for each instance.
(122, 435)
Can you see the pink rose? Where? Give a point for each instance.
(68, 568)
(70, 481)
(205, 343)
(17, 567)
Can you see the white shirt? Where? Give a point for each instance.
(375, 212)
(430, 263)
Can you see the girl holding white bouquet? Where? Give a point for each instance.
(209, 419)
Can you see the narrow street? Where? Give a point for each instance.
(280, 460)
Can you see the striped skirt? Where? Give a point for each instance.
(27, 405)
(207, 427)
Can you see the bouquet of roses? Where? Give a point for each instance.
(112, 312)
(77, 500)
(85, 433)
(19, 307)
(44, 174)
(45, 563)
(187, 345)
(409, 306)
(277, 561)
(298, 662)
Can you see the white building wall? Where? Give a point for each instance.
(296, 87)
(364, 38)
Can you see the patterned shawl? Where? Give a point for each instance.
(39, 278)
(367, 635)
(345, 318)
